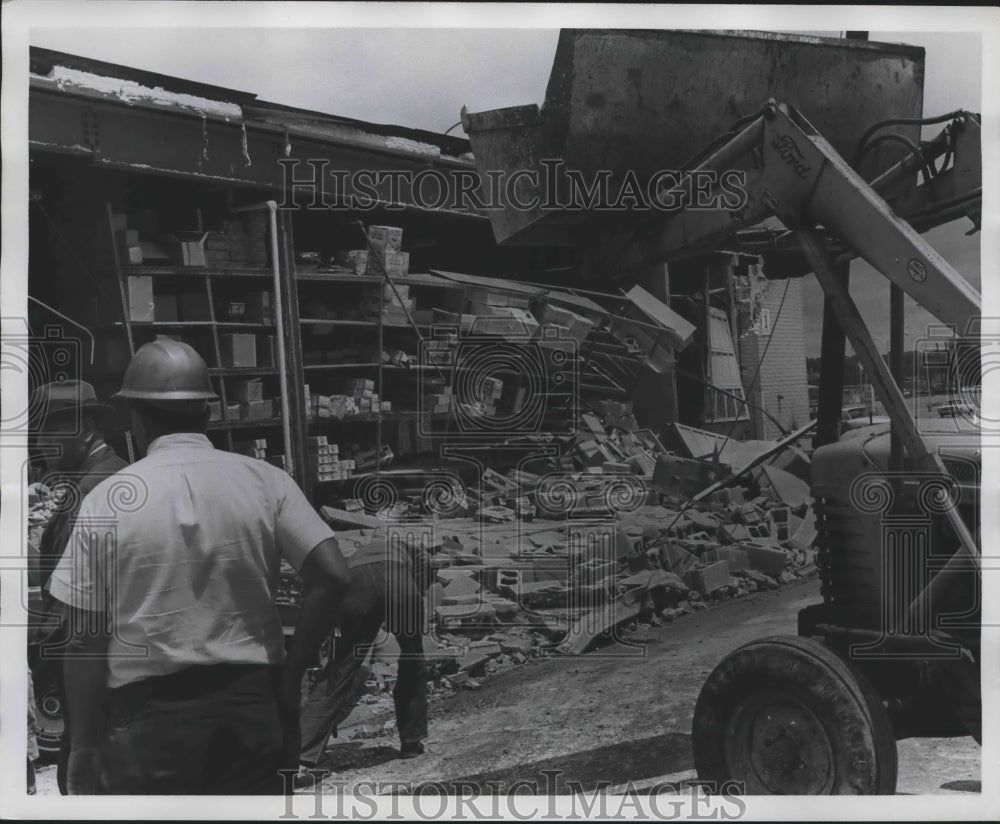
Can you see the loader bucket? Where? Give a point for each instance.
(647, 101)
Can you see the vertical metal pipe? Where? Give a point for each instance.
(279, 323)
(831, 370)
(896, 343)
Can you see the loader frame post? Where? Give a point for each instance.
(889, 394)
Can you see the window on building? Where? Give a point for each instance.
(725, 405)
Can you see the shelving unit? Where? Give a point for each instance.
(336, 292)
(208, 290)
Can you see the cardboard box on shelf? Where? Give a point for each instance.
(258, 410)
(395, 291)
(238, 350)
(385, 238)
(186, 248)
(215, 410)
(129, 247)
(250, 390)
(356, 259)
(253, 448)
(141, 305)
(259, 308)
(393, 264)
(166, 308)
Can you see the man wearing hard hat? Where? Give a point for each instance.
(181, 566)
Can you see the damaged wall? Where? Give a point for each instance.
(777, 336)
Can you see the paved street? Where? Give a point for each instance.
(607, 717)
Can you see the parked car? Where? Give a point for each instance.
(855, 417)
(957, 409)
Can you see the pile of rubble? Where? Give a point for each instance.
(514, 581)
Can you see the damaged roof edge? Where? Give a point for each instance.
(82, 77)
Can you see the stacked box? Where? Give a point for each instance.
(250, 390)
(129, 248)
(385, 238)
(238, 244)
(356, 259)
(334, 406)
(394, 293)
(259, 410)
(185, 251)
(393, 264)
(259, 308)
(359, 387)
(238, 350)
(396, 358)
(325, 463)
(491, 389)
(141, 304)
(256, 448)
(439, 402)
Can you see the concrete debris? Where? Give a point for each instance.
(557, 554)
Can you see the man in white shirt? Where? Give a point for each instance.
(170, 577)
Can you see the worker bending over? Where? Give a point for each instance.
(171, 583)
(388, 582)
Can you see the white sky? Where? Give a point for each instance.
(420, 77)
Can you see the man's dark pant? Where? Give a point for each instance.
(205, 730)
(379, 594)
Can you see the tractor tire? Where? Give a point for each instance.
(788, 716)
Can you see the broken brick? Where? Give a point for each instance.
(765, 559)
(461, 585)
(677, 559)
(736, 558)
(708, 579)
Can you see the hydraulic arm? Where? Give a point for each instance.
(793, 174)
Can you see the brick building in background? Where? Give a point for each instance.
(774, 339)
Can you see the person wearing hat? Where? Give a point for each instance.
(69, 426)
(200, 696)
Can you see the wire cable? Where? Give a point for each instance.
(909, 121)
(896, 138)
